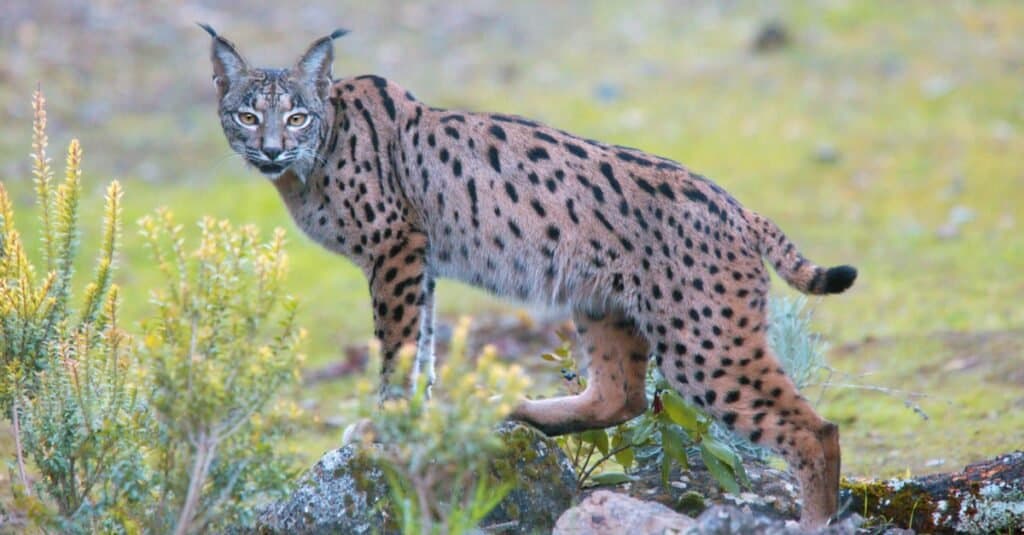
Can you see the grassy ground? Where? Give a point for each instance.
(886, 134)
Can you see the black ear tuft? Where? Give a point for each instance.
(338, 33)
(228, 65)
(208, 29)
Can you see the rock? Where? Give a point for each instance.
(826, 153)
(772, 492)
(345, 492)
(986, 497)
(611, 513)
(545, 480)
(338, 495)
(731, 520)
(771, 36)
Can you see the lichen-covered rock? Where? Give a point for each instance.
(731, 520)
(342, 493)
(610, 513)
(986, 497)
(345, 492)
(545, 481)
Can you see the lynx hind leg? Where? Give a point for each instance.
(730, 371)
(615, 383)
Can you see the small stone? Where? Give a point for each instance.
(610, 513)
(607, 92)
(771, 36)
(826, 153)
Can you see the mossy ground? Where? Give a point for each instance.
(879, 124)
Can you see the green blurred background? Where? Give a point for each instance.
(889, 135)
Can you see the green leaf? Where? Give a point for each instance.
(625, 457)
(728, 456)
(597, 437)
(672, 440)
(549, 357)
(611, 478)
(681, 413)
(722, 472)
(666, 470)
(642, 433)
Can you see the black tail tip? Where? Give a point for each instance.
(839, 278)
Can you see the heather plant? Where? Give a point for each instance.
(437, 453)
(220, 346)
(66, 383)
(173, 431)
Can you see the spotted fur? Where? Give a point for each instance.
(652, 258)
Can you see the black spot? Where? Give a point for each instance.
(695, 195)
(515, 229)
(457, 167)
(452, 132)
(604, 221)
(513, 119)
(576, 150)
(538, 207)
(729, 418)
(572, 211)
(511, 191)
(492, 155)
(732, 396)
(497, 132)
(553, 233)
(544, 137)
(710, 396)
(606, 170)
(537, 153)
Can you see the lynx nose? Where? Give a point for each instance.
(272, 152)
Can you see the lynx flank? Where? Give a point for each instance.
(651, 258)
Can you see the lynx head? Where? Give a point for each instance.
(276, 119)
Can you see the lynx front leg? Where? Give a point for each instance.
(615, 383)
(399, 291)
(425, 349)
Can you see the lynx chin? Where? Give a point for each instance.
(657, 263)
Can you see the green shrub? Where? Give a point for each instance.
(220, 346)
(66, 383)
(167, 432)
(437, 454)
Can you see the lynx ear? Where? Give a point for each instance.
(228, 64)
(314, 67)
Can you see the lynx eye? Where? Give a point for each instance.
(247, 119)
(298, 119)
